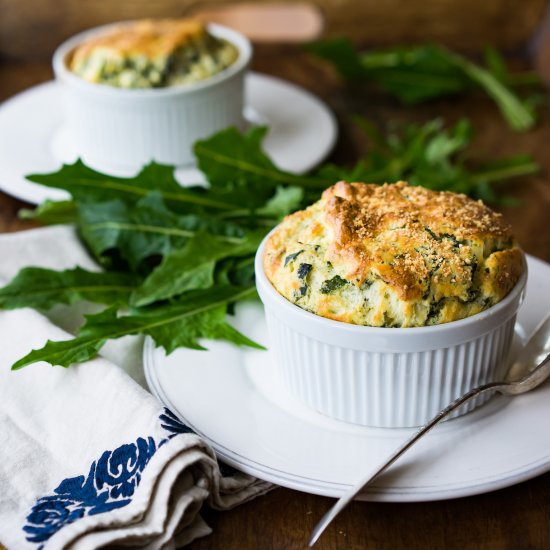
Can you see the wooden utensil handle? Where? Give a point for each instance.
(267, 23)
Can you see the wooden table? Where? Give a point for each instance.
(513, 518)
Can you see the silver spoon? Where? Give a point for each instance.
(530, 369)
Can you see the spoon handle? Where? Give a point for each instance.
(346, 498)
(535, 352)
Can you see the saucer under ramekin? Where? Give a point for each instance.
(386, 377)
(124, 129)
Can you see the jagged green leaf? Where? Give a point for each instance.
(83, 183)
(419, 73)
(433, 156)
(191, 267)
(236, 164)
(285, 201)
(146, 229)
(43, 288)
(200, 314)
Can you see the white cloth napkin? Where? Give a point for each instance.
(87, 456)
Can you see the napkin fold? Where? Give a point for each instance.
(88, 457)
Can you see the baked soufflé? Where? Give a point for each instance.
(393, 255)
(152, 54)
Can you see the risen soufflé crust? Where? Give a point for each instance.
(393, 255)
(152, 53)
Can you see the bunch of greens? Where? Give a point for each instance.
(419, 73)
(434, 157)
(176, 259)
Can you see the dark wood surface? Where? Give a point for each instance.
(514, 518)
(30, 29)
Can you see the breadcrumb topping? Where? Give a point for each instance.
(149, 37)
(393, 255)
(425, 229)
(152, 54)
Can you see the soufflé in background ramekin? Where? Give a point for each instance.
(386, 302)
(147, 90)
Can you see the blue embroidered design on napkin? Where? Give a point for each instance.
(111, 481)
(171, 423)
(116, 474)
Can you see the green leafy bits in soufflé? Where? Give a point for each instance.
(152, 54)
(393, 256)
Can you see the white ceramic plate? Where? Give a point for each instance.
(302, 132)
(231, 398)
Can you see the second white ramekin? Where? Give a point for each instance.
(386, 377)
(114, 129)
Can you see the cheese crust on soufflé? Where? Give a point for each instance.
(393, 255)
(151, 54)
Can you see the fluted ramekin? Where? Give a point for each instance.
(123, 129)
(386, 377)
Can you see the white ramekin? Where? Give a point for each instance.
(120, 130)
(386, 377)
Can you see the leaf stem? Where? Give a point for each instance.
(144, 228)
(511, 107)
(184, 196)
(497, 174)
(83, 289)
(275, 175)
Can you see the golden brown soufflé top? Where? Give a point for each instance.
(393, 255)
(152, 53)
